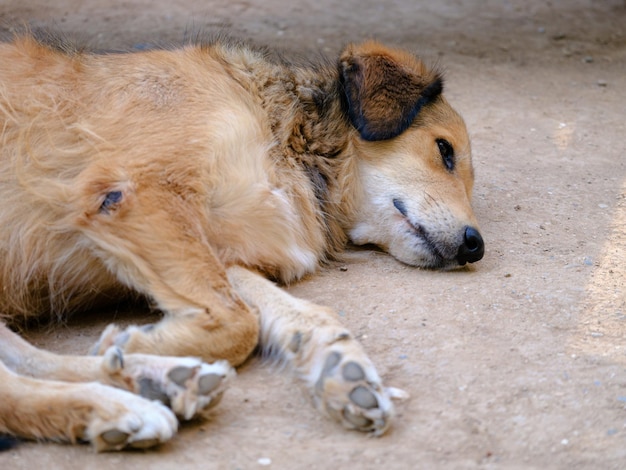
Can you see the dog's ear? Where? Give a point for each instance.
(385, 89)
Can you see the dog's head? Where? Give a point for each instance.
(413, 158)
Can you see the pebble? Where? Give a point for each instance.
(265, 461)
(602, 83)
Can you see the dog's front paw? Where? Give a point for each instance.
(120, 419)
(347, 387)
(185, 384)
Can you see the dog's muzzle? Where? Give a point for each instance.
(473, 247)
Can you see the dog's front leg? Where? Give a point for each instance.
(185, 384)
(109, 418)
(341, 378)
(38, 403)
(155, 241)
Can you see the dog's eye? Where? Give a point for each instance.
(447, 153)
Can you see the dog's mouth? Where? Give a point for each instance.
(439, 250)
(438, 260)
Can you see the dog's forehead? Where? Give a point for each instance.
(442, 120)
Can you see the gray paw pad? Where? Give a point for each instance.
(209, 382)
(329, 365)
(179, 375)
(152, 391)
(362, 397)
(352, 372)
(114, 437)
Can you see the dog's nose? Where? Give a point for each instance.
(473, 247)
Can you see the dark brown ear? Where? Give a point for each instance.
(385, 89)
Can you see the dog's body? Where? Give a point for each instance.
(184, 176)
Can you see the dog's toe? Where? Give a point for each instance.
(195, 388)
(347, 387)
(126, 420)
(187, 385)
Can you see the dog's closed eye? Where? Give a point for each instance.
(111, 202)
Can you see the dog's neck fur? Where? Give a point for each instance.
(307, 116)
(320, 138)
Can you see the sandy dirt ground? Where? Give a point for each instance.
(516, 362)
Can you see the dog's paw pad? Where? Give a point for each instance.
(179, 375)
(352, 372)
(198, 388)
(362, 397)
(349, 390)
(138, 423)
(187, 385)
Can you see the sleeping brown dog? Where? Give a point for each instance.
(191, 177)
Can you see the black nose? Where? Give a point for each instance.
(473, 247)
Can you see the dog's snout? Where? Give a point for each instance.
(473, 247)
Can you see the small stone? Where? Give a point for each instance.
(602, 83)
(264, 461)
(587, 59)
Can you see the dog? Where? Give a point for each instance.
(201, 178)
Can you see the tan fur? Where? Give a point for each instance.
(165, 173)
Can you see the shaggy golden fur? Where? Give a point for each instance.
(190, 176)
